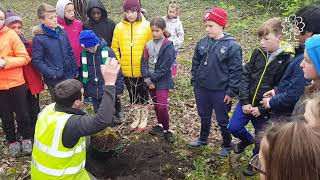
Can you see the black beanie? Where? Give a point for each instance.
(311, 18)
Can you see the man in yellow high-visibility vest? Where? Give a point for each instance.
(59, 149)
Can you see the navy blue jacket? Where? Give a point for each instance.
(94, 88)
(217, 65)
(290, 88)
(161, 77)
(52, 55)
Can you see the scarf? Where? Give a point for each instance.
(52, 33)
(84, 62)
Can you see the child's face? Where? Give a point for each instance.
(172, 12)
(157, 32)
(50, 20)
(308, 68)
(213, 29)
(69, 12)
(91, 49)
(16, 27)
(270, 42)
(131, 15)
(96, 14)
(2, 19)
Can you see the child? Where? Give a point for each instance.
(72, 26)
(13, 97)
(216, 74)
(282, 100)
(103, 28)
(311, 69)
(32, 77)
(95, 52)
(129, 38)
(52, 54)
(158, 58)
(175, 28)
(99, 21)
(261, 74)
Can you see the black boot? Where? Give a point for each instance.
(118, 115)
(240, 147)
(249, 171)
(225, 147)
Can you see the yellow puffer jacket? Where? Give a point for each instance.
(128, 43)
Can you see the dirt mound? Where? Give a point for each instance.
(141, 161)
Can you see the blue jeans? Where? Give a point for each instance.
(237, 127)
(207, 101)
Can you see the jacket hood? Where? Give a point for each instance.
(96, 4)
(37, 30)
(172, 20)
(60, 7)
(227, 37)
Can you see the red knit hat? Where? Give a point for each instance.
(218, 15)
(133, 5)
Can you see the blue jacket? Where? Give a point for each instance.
(52, 55)
(290, 88)
(161, 76)
(217, 65)
(95, 89)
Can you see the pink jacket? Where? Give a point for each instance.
(73, 31)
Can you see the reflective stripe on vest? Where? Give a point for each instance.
(58, 172)
(56, 153)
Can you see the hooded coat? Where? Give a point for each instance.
(104, 27)
(73, 30)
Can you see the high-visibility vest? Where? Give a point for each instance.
(50, 159)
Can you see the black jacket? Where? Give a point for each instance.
(103, 28)
(217, 65)
(259, 76)
(80, 124)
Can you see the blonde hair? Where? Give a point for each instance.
(292, 152)
(272, 25)
(44, 8)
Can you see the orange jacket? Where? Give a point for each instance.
(14, 53)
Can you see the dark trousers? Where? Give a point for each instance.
(237, 127)
(160, 100)
(34, 109)
(207, 101)
(12, 101)
(138, 91)
(96, 104)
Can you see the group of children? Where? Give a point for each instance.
(66, 48)
(268, 86)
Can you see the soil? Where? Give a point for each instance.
(142, 161)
